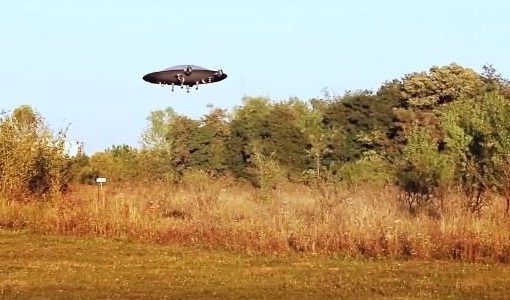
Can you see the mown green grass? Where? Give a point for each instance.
(35, 266)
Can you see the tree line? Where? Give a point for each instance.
(428, 132)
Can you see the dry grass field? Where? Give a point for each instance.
(354, 222)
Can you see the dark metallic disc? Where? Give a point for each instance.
(185, 75)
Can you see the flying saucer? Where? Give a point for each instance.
(185, 76)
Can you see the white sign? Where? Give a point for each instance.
(101, 180)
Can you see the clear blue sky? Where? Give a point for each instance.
(81, 62)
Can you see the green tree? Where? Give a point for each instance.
(275, 130)
(160, 122)
(181, 144)
(208, 145)
(477, 133)
(440, 85)
(247, 126)
(355, 117)
(421, 94)
(168, 144)
(285, 139)
(118, 163)
(312, 126)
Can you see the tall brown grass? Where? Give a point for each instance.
(363, 221)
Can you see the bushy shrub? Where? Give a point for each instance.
(371, 168)
(267, 172)
(33, 161)
(423, 170)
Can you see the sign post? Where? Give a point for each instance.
(100, 181)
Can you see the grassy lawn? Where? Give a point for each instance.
(34, 266)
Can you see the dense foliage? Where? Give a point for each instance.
(427, 132)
